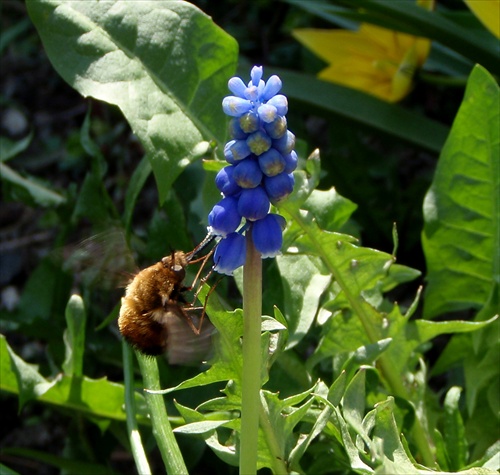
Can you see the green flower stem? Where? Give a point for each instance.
(252, 317)
(162, 430)
(138, 452)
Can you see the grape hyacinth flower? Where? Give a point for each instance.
(261, 160)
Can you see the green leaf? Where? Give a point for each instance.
(9, 148)
(227, 363)
(304, 281)
(461, 237)
(351, 449)
(28, 189)
(201, 427)
(9, 34)
(224, 451)
(94, 202)
(49, 287)
(441, 453)
(365, 355)
(99, 164)
(278, 431)
(304, 442)
(29, 383)
(66, 465)
(327, 98)
(353, 404)
(387, 443)
(337, 389)
(454, 430)
(408, 336)
(136, 183)
(74, 336)
(92, 397)
(165, 64)
(481, 367)
(330, 209)
(4, 470)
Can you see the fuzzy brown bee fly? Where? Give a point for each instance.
(154, 304)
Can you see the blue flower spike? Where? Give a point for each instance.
(230, 253)
(261, 160)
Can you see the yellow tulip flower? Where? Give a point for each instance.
(374, 60)
(488, 12)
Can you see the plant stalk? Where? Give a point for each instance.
(138, 452)
(251, 380)
(162, 430)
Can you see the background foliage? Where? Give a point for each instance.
(353, 358)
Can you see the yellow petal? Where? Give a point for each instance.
(330, 45)
(423, 47)
(374, 60)
(367, 81)
(488, 11)
(427, 4)
(387, 38)
(403, 79)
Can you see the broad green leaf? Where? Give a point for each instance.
(29, 383)
(29, 189)
(92, 397)
(304, 281)
(461, 237)
(165, 64)
(329, 208)
(327, 98)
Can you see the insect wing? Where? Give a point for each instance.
(104, 258)
(183, 346)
